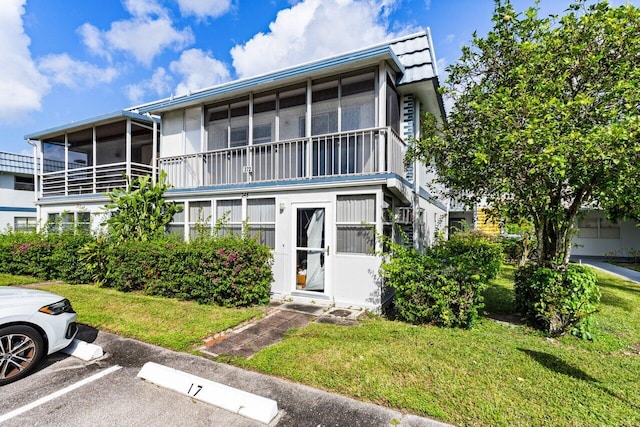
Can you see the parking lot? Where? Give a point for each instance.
(108, 393)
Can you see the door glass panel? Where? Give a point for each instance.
(310, 253)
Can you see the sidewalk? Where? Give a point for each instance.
(251, 338)
(601, 264)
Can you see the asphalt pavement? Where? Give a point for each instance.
(601, 264)
(120, 398)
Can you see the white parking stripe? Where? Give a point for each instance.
(58, 393)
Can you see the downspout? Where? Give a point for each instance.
(36, 186)
(417, 243)
(154, 154)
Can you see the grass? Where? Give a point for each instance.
(494, 374)
(178, 325)
(11, 280)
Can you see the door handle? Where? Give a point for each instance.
(328, 250)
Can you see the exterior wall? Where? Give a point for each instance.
(15, 204)
(610, 243)
(351, 280)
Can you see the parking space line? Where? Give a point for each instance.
(58, 393)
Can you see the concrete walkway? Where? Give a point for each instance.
(601, 264)
(253, 337)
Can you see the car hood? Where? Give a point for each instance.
(12, 297)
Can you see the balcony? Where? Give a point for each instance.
(362, 152)
(90, 180)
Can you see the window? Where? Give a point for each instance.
(83, 221)
(293, 107)
(57, 222)
(24, 183)
(598, 228)
(176, 226)
(24, 223)
(231, 210)
(393, 106)
(261, 218)
(355, 221)
(199, 219)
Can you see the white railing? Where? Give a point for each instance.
(91, 179)
(362, 152)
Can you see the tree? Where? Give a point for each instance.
(140, 211)
(545, 120)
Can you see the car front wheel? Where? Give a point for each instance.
(21, 348)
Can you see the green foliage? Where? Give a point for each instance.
(140, 211)
(545, 119)
(558, 301)
(480, 251)
(53, 255)
(230, 271)
(442, 286)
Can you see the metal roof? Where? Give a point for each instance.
(92, 121)
(16, 163)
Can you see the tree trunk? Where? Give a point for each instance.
(554, 243)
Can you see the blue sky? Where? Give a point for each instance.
(66, 60)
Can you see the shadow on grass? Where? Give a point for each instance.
(558, 365)
(498, 300)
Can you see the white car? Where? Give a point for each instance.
(32, 323)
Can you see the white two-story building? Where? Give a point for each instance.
(311, 157)
(17, 207)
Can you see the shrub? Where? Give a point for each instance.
(476, 250)
(45, 255)
(558, 300)
(230, 271)
(442, 286)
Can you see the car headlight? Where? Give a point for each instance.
(63, 306)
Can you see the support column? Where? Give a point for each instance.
(94, 161)
(128, 149)
(66, 164)
(382, 117)
(154, 155)
(307, 130)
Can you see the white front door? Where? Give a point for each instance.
(313, 249)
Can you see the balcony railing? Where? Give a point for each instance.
(90, 180)
(362, 152)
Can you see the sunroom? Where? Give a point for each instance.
(96, 155)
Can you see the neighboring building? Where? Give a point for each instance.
(598, 236)
(311, 157)
(595, 235)
(17, 196)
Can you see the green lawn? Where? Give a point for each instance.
(495, 374)
(178, 325)
(11, 280)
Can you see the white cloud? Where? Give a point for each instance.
(143, 8)
(92, 38)
(313, 29)
(198, 70)
(21, 84)
(159, 84)
(62, 69)
(204, 8)
(144, 36)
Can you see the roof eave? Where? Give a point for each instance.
(92, 121)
